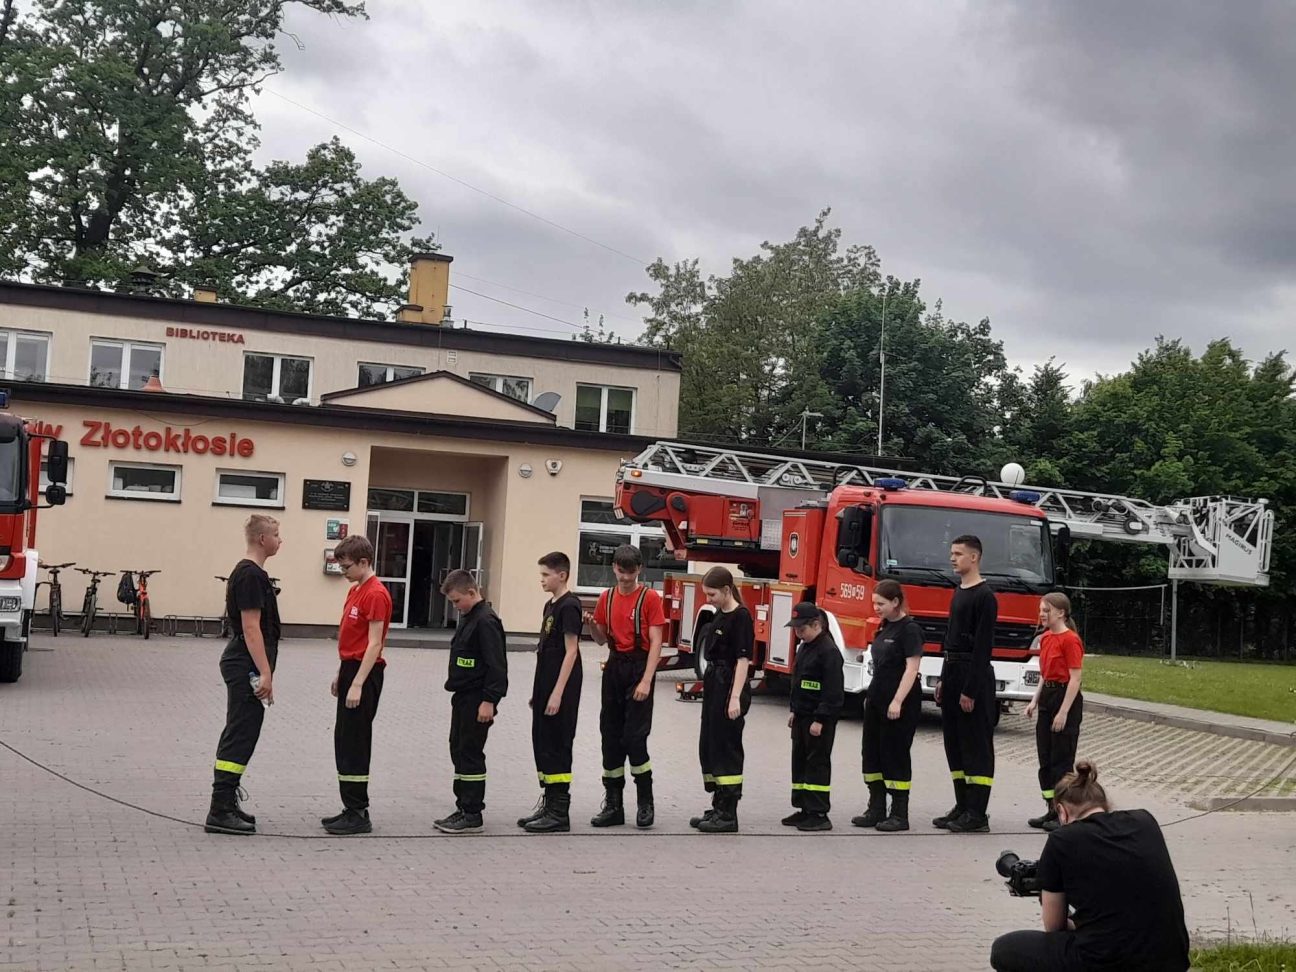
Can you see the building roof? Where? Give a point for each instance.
(235, 316)
(493, 402)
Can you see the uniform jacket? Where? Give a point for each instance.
(477, 662)
(817, 685)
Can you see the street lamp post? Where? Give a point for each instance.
(882, 366)
(807, 414)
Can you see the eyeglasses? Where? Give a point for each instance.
(345, 567)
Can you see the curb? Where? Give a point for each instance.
(1197, 725)
(1263, 804)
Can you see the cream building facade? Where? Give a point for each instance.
(440, 443)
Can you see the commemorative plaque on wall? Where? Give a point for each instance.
(326, 494)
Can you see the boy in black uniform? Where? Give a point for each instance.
(478, 680)
(816, 701)
(247, 666)
(555, 697)
(966, 692)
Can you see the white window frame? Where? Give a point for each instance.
(11, 350)
(388, 372)
(44, 479)
(496, 384)
(603, 404)
(219, 500)
(632, 532)
(172, 497)
(276, 372)
(126, 348)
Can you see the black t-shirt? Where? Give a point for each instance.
(1115, 871)
(730, 636)
(896, 641)
(972, 616)
(248, 589)
(561, 618)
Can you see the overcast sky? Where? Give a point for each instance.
(1088, 175)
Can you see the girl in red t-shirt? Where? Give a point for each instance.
(1058, 700)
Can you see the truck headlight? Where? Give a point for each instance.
(10, 604)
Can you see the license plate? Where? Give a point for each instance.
(1031, 678)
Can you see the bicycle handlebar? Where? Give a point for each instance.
(96, 573)
(45, 566)
(144, 573)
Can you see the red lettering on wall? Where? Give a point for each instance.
(101, 435)
(44, 428)
(190, 334)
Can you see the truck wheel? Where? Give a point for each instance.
(704, 619)
(11, 659)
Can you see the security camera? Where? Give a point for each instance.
(553, 466)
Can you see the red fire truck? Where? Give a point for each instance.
(804, 529)
(20, 473)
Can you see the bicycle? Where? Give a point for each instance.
(55, 594)
(90, 606)
(226, 629)
(143, 613)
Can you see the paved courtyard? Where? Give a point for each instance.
(92, 884)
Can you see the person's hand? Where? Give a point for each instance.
(938, 693)
(967, 703)
(1059, 722)
(333, 687)
(553, 705)
(816, 728)
(486, 712)
(587, 617)
(791, 720)
(893, 710)
(1031, 708)
(642, 690)
(735, 708)
(265, 691)
(353, 694)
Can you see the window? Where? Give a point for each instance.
(431, 502)
(24, 355)
(123, 364)
(601, 533)
(276, 377)
(44, 478)
(237, 488)
(380, 374)
(519, 388)
(600, 408)
(139, 480)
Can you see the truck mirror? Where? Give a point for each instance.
(56, 465)
(56, 494)
(1062, 552)
(854, 536)
(846, 557)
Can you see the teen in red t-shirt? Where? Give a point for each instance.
(357, 686)
(625, 718)
(1058, 700)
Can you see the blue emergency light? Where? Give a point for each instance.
(4, 397)
(890, 482)
(1025, 496)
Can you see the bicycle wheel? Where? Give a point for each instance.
(87, 617)
(146, 617)
(56, 611)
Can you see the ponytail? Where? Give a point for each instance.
(1080, 788)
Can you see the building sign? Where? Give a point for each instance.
(44, 428)
(326, 494)
(102, 435)
(194, 334)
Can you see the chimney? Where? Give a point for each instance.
(205, 294)
(429, 289)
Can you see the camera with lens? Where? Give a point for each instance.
(1022, 877)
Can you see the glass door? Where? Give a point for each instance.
(393, 538)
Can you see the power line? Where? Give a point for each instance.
(455, 179)
(554, 300)
(509, 303)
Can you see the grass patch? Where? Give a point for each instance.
(1256, 689)
(1245, 957)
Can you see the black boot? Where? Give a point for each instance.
(537, 811)
(555, 819)
(223, 816)
(974, 819)
(899, 818)
(612, 814)
(696, 822)
(351, 822)
(956, 811)
(1042, 822)
(645, 814)
(876, 811)
(239, 796)
(725, 818)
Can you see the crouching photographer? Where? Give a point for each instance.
(1112, 869)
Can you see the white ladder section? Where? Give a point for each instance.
(1212, 539)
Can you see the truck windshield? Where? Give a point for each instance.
(11, 480)
(915, 546)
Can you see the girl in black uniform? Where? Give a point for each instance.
(726, 696)
(891, 711)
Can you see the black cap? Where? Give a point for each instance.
(804, 613)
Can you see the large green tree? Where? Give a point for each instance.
(129, 141)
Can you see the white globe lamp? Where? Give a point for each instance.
(1012, 474)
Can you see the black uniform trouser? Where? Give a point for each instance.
(468, 752)
(887, 742)
(353, 734)
(624, 723)
(552, 736)
(1056, 750)
(720, 740)
(244, 714)
(969, 736)
(812, 764)
(1036, 951)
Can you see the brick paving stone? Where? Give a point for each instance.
(89, 884)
